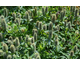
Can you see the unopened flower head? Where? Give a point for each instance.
(44, 27)
(40, 25)
(71, 53)
(1, 53)
(35, 31)
(12, 48)
(17, 43)
(26, 38)
(3, 24)
(14, 15)
(5, 47)
(50, 26)
(5, 12)
(1, 37)
(9, 57)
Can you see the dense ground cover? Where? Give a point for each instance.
(40, 32)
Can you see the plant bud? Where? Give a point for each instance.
(35, 31)
(32, 39)
(26, 39)
(36, 55)
(27, 16)
(29, 12)
(37, 24)
(58, 28)
(43, 11)
(35, 11)
(50, 34)
(65, 23)
(71, 8)
(17, 21)
(17, 43)
(1, 53)
(77, 32)
(4, 55)
(53, 18)
(14, 15)
(50, 26)
(35, 36)
(44, 27)
(19, 15)
(2, 17)
(34, 47)
(14, 56)
(12, 48)
(79, 11)
(71, 53)
(56, 42)
(9, 57)
(63, 40)
(5, 12)
(21, 38)
(1, 37)
(75, 48)
(56, 37)
(3, 24)
(9, 42)
(29, 40)
(5, 47)
(69, 25)
(40, 25)
(10, 38)
(46, 10)
(61, 15)
(76, 11)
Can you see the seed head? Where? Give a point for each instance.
(12, 48)
(37, 24)
(1, 37)
(35, 36)
(17, 43)
(44, 27)
(27, 15)
(14, 56)
(14, 15)
(5, 47)
(75, 48)
(71, 53)
(4, 55)
(26, 38)
(32, 39)
(9, 42)
(50, 34)
(40, 25)
(18, 21)
(69, 25)
(56, 42)
(1, 53)
(10, 38)
(9, 57)
(50, 26)
(76, 11)
(19, 15)
(2, 17)
(43, 11)
(35, 31)
(46, 10)
(63, 40)
(53, 18)
(5, 12)
(3, 24)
